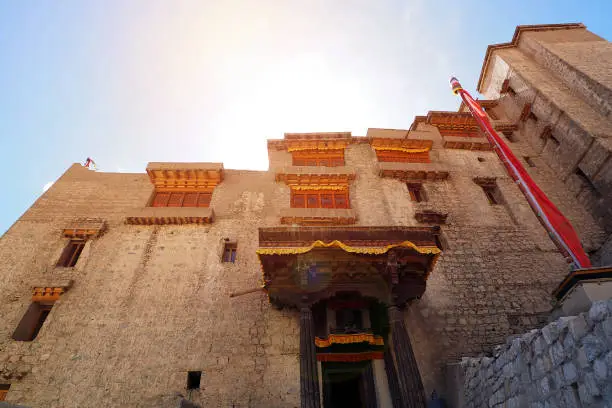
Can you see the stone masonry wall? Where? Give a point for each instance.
(151, 302)
(567, 363)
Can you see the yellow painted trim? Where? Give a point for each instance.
(349, 339)
(347, 248)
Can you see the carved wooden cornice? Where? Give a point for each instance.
(185, 176)
(430, 217)
(403, 145)
(47, 294)
(84, 228)
(315, 180)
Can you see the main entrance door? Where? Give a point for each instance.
(348, 385)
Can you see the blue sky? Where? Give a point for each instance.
(127, 82)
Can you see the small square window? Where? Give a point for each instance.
(491, 192)
(71, 253)
(416, 192)
(229, 252)
(32, 321)
(193, 380)
(529, 161)
(4, 388)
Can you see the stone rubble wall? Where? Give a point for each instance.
(567, 363)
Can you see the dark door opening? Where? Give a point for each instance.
(344, 385)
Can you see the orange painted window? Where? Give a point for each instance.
(4, 388)
(180, 199)
(404, 157)
(326, 158)
(320, 199)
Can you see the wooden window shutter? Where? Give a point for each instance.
(190, 200)
(176, 199)
(161, 199)
(204, 199)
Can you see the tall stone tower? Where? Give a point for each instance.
(555, 82)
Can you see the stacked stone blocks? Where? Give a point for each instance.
(567, 363)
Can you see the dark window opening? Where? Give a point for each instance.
(32, 322)
(71, 253)
(587, 182)
(492, 194)
(555, 141)
(529, 161)
(510, 136)
(4, 390)
(481, 159)
(504, 87)
(193, 380)
(229, 252)
(349, 320)
(417, 193)
(532, 116)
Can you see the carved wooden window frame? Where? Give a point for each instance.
(181, 199)
(320, 199)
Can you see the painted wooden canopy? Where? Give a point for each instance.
(307, 264)
(185, 176)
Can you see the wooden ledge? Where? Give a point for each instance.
(170, 216)
(582, 276)
(467, 143)
(318, 216)
(430, 217)
(413, 171)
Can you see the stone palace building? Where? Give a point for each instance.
(350, 274)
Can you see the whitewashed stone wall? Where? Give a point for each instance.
(567, 363)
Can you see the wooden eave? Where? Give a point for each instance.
(185, 176)
(478, 145)
(344, 270)
(391, 143)
(430, 217)
(356, 236)
(414, 174)
(315, 180)
(318, 220)
(169, 220)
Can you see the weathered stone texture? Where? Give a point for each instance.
(151, 302)
(575, 375)
(566, 76)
